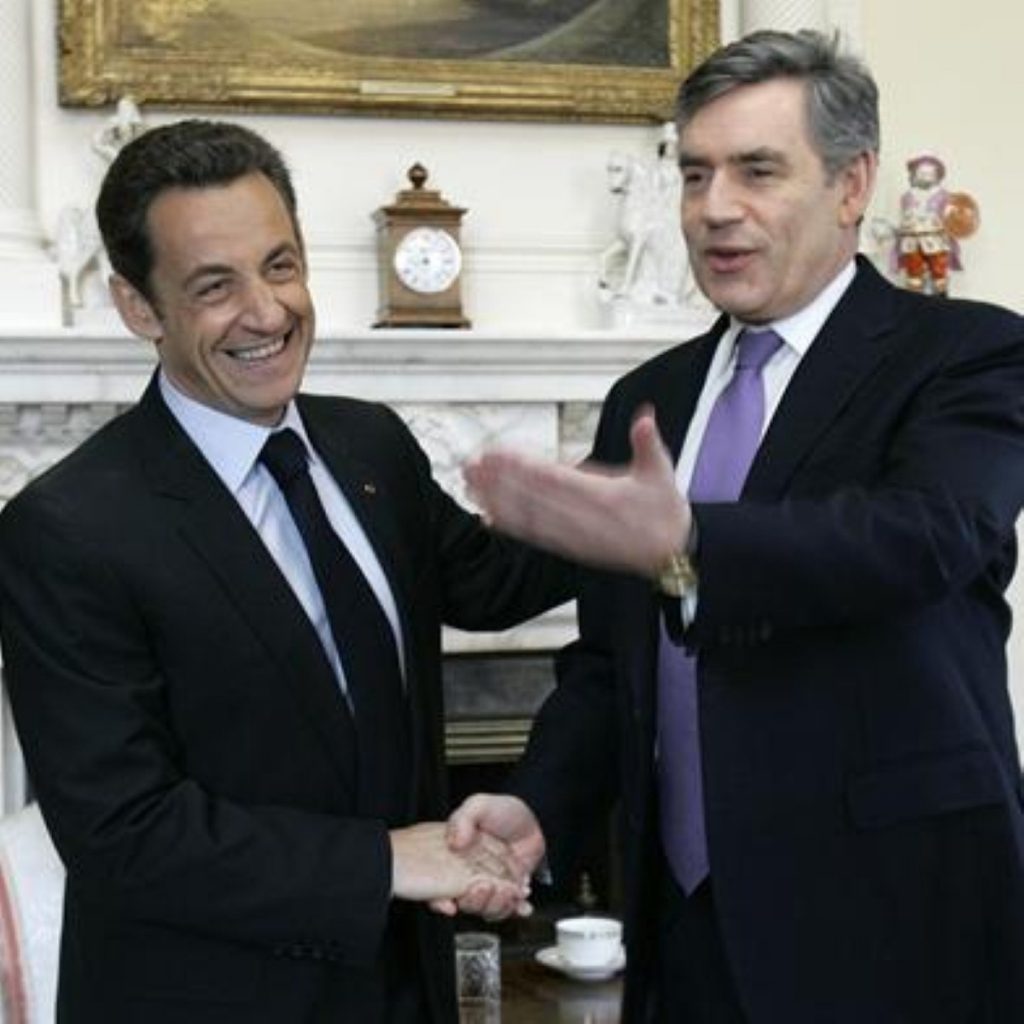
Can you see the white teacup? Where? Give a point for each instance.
(588, 941)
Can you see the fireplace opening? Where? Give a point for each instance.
(490, 702)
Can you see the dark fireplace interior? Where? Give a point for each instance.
(491, 700)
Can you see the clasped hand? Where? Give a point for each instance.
(479, 862)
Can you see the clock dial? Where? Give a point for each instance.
(427, 260)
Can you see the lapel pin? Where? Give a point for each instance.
(369, 488)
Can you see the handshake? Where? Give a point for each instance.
(478, 862)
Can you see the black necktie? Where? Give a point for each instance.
(361, 631)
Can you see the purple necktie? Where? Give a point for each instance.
(727, 449)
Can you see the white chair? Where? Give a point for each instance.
(31, 899)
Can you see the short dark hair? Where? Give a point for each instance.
(842, 98)
(186, 154)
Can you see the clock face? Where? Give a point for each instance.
(427, 260)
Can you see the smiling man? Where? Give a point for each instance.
(794, 675)
(221, 619)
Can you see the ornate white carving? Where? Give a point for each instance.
(76, 246)
(644, 274)
(124, 125)
(452, 433)
(577, 425)
(35, 436)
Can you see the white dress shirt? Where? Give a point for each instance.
(232, 446)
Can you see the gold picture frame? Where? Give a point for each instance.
(344, 56)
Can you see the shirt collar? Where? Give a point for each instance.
(800, 329)
(231, 445)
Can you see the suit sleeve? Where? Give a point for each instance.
(139, 835)
(569, 772)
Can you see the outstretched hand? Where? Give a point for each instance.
(632, 519)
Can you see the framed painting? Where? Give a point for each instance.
(596, 60)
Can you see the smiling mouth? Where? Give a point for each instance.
(261, 352)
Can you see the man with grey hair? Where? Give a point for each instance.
(792, 665)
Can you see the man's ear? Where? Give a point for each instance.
(135, 309)
(858, 185)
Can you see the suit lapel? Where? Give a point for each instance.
(213, 524)
(675, 392)
(848, 348)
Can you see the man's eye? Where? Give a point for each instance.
(212, 289)
(693, 178)
(283, 270)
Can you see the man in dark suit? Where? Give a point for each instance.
(792, 658)
(231, 736)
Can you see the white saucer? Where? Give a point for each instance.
(551, 957)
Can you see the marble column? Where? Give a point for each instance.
(739, 17)
(30, 294)
(787, 15)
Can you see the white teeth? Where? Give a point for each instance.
(251, 355)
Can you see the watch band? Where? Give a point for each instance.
(678, 576)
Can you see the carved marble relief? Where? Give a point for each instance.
(35, 436)
(452, 433)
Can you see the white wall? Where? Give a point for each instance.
(951, 77)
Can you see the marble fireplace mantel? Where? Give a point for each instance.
(101, 364)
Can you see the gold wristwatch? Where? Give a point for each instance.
(677, 576)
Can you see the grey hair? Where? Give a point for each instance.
(842, 98)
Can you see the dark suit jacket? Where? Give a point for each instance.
(863, 788)
(189, 744)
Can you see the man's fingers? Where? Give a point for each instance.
(467, 823)
(476, 898)
(448, 908)
(649, 452)
(493, 902)
(461, 831)
(497, 849)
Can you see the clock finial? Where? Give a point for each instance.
(418, 175)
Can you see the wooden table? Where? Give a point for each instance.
(533, 994)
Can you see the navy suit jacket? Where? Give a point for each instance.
(188, 741)
(862, 782)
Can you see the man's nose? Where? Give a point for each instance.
(263, 310)
(721, 201)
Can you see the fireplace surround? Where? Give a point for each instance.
(458, 390)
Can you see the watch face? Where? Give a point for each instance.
(427, 260)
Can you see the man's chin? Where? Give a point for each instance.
(737, 302)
